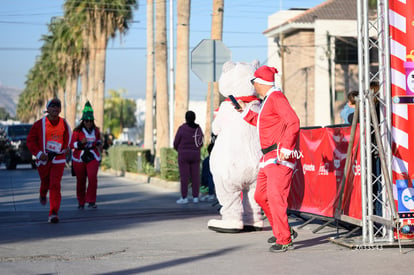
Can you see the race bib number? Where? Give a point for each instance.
(53, 146)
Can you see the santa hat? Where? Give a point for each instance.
(87, 113)
(265, 75)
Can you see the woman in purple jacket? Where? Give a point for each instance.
(188, 142)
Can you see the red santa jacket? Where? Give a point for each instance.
(36, 141)
(93, 141)
(277, 124)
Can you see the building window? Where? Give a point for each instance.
(346, 51)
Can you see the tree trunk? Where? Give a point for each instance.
(216, 34)
(182, 63)
(84, 82)
(84, 79)
(99, 95)
(70, 99)
(61, 96)
(74, 98)
(162, 122)
(99, 98)
(92, 45)
(149, 102)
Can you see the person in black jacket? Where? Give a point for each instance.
(188, 142)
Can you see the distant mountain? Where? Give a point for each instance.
(9, 98)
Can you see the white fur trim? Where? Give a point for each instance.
(263, 164)
(39, 154)
(262, 81)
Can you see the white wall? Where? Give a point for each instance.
(276, 19)
(322, 85)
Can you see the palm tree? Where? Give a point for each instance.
(74, 40)
(81, 21)
(39, 87)
(47, 77)
(216, 34)
(99, 20)
(80, 15)
(149, 101)
(110, 18)
(71, 49)
(182, 65)
(162, 122)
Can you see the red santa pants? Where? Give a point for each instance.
(272, 191)
(89, 171)
(50, 177)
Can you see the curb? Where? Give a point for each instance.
(170, 185)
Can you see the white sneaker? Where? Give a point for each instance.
(182, 201)
(211, 198)
(195, 200)
(204, 198)
(208, 198)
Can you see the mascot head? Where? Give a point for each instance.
(235, 78)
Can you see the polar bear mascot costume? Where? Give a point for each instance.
(234, 160)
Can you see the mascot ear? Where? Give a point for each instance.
(256, 63)
(228, 66)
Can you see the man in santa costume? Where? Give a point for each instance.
(49, 140)
(278, 127)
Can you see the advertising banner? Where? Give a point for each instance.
(401, 20)
(317, 179)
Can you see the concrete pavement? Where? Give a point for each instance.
(139, 229)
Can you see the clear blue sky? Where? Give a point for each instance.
(23, 22)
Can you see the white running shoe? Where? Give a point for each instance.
(182, 201)
(211, 198)
(208, 198)
(195, 200)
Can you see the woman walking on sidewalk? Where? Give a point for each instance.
(86, 145)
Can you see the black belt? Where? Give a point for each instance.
(269, 149)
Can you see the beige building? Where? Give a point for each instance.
(316, 53)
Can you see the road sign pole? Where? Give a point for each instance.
(213, 54)
(209, 53)
(207, 59)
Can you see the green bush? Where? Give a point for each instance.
(105, 163)
(148, 169)
(137, 160)
(130, 157)
(125, 158)
(115, 158)
(169, 164)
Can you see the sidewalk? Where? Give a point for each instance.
(139, 229)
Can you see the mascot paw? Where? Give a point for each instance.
(257, 226)
(224, 226)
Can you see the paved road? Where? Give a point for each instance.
(138, 229)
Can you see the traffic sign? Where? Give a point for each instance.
(207, 59)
